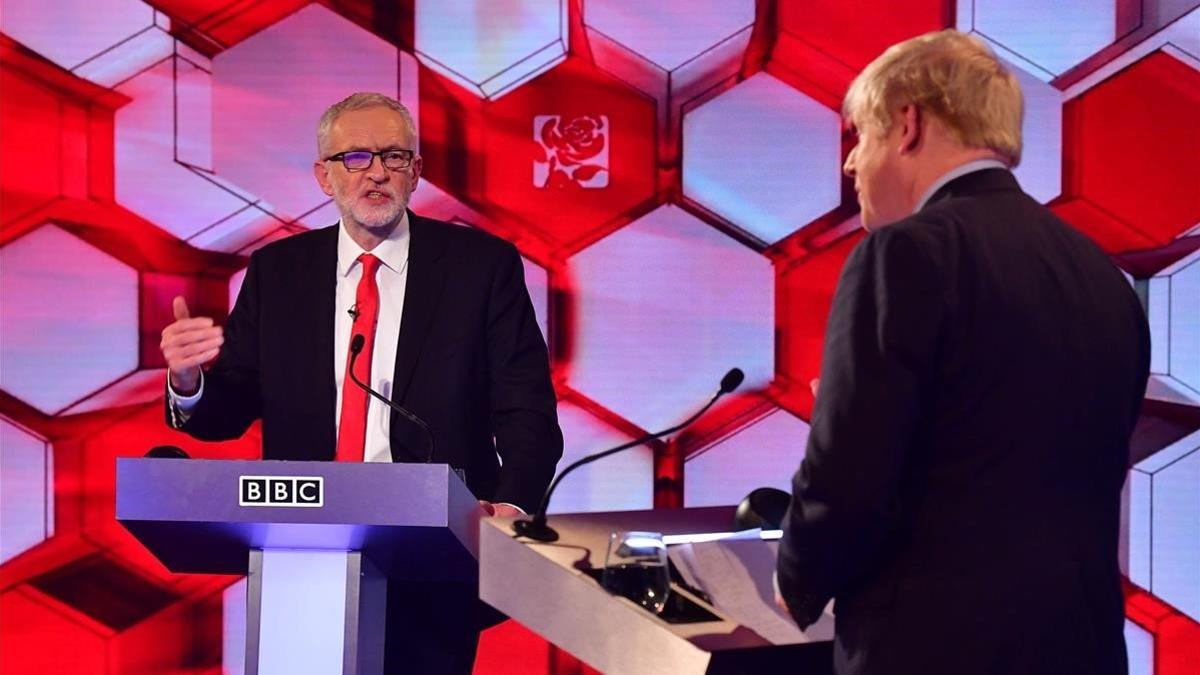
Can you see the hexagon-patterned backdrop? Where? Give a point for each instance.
(148, 147)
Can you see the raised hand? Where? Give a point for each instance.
(187, 343)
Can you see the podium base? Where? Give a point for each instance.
(314, 611)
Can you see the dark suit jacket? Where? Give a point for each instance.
(984, 365)
(470, 361)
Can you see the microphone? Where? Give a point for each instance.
(535, 528)
(764, 507)
(167, 452)
(353, 312)
(356, 346)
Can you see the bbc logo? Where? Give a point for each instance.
(281, 491)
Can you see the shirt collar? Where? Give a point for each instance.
(956, 172)
(392, 252)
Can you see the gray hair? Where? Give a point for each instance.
(361, 101)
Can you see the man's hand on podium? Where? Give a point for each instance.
(501, 510)
(187, 343)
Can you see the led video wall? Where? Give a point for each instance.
(670, 171)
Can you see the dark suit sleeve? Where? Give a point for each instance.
(881, 347)
(524, 412)
(231, 399)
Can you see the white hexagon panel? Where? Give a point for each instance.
(1164, 517)
(764, 157)
(78, 312)
(1139, 649)
(1173, 310)
(1049, 37)
(130, 36)
(26, 489)
(622, 482)
(673, 50)
(270, 90)
(666, 305)
(763, 454)
(490, 48)
(1040, 170)
(163, 161)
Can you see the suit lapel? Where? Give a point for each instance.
(318, 286)
(422, 293)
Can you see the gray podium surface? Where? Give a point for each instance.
(546, 587)
(318, 541)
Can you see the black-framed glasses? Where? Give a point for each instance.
(360, 160)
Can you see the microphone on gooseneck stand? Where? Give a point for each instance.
(356, 346)
(535, 528)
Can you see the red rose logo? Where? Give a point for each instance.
(574, 151)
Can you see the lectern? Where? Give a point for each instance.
(552, 589)
(318, 541)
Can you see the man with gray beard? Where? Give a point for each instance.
(448, 331)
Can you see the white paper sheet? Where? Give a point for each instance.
(738, 575)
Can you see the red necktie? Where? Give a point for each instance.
(352, 430)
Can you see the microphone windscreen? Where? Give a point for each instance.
(764, 507)
(356, 343)
(732, 380)
(167, 452)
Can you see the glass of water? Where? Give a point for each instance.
(635, 567)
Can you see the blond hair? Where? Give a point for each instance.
(950, 75)
(361, 101)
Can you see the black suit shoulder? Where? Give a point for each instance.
(992, 202)
(298, 246)
(463, 240)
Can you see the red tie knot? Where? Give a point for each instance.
(370, 263)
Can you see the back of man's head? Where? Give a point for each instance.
(950, 76)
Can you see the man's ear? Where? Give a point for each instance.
(321, 172)
(911, 133)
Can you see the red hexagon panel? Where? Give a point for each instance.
(1131, 136)
(131, 435)
(94, 615)
(805, 290)
(822, 44)
(570, 153)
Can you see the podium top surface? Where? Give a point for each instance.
(547, 587)
(200, 515)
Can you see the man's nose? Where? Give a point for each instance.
(376, 171)
(848, 166)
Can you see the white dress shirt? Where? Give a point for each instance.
(391, 279)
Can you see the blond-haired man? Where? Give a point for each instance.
(984, 366)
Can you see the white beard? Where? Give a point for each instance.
(373, 217)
